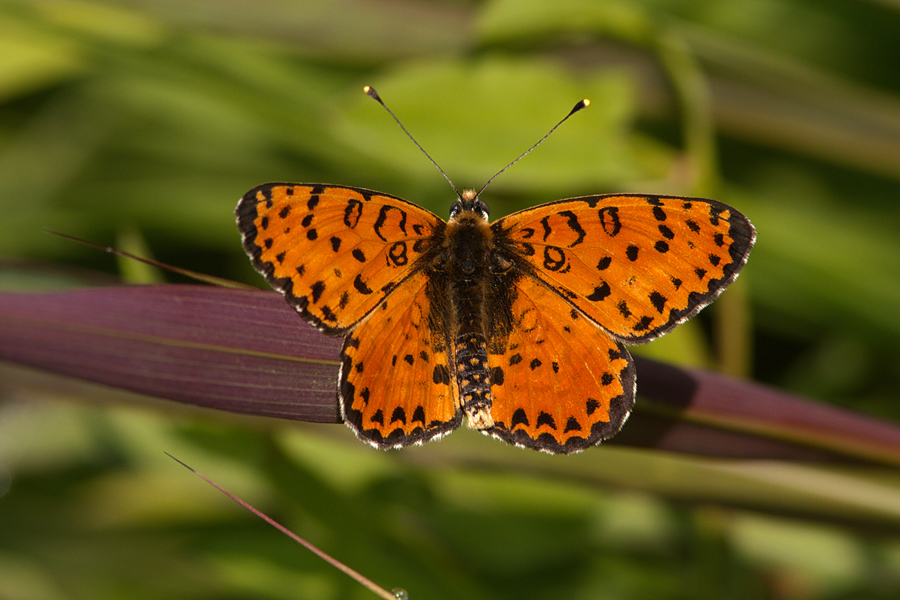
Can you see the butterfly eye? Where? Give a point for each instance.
(477, 207)
(469, 201)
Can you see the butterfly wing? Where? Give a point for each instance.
(636, 265)
(335, 252)
(396, 386)
(559, 383)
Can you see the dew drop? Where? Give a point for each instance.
(400, 594)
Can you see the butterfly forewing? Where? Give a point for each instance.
(559, 383)
(335, 252)
(636, 265)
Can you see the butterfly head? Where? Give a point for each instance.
(469, 201)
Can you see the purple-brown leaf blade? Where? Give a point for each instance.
(232, 350)
(731, 418)
(248, 352)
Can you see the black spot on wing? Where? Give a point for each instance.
(382, 218)
(574, 225)
(316, 290)
(643, 324)
(352, 213)
(399, 415)
(545, 223)
(546, 419)
(609, 219)
(328, 315)
(572, 425)
(360, 286)
(632, 253)
(600, 293)
(519, 418)
(441, 375)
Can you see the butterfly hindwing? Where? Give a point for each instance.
(396, 383)
(559, 382)
(335, 252)
(636, 265)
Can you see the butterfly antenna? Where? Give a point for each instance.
(370, 91)
(574, 110)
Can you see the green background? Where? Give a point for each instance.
(139, 124)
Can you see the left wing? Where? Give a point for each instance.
(396, 384)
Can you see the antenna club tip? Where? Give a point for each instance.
(370, 91)
(586, 102)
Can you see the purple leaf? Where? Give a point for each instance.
(240, 351)
(248, 352)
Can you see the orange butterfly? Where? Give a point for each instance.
(519, 324)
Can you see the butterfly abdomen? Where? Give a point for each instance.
(470, 351)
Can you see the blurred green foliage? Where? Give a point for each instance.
(140, 123)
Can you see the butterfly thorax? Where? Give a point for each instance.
(466, 266)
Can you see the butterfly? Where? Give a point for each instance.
(517, 326)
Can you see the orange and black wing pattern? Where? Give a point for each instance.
(560, 289)
(559, 383)
(635, 265)
(335, 252)
(351, 261)
(587, 275)
(397, 386)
